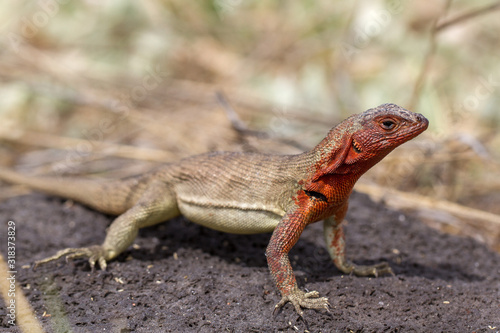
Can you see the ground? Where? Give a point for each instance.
(180, 277)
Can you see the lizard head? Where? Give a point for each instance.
(379, 130)
(362, 140)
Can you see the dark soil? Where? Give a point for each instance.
(180, 277)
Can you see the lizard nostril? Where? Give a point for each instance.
(421, 119)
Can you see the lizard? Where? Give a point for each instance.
(247, 193)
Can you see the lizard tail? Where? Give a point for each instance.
(107, 196)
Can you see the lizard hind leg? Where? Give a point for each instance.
(157, 204)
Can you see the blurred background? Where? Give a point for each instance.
(113, 88)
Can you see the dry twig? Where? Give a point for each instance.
(97, 147)
(481, 11)
(486, 224)
(417, 88)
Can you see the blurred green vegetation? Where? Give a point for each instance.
(63, 63)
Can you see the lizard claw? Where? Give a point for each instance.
(95, 254)
(300, 299)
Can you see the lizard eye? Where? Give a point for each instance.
(388, 124)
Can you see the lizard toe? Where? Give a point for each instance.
(102, 263)
(372, 270)
(382, 269)
(312, 300)
(96, 254)
(59, 254)
(301, 299)
(312, 294)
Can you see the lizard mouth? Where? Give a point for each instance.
(356, 146)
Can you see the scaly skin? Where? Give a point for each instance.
(248, 193)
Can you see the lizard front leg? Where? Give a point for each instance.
(335, 243)
(157, 204)
(283, 239)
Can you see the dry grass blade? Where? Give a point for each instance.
(236, 122)
(240, 127)
(417, 88)
(13, 191)
(459, 19)
(65, 143)
(485, 225)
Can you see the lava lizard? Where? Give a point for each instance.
(247, 193)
